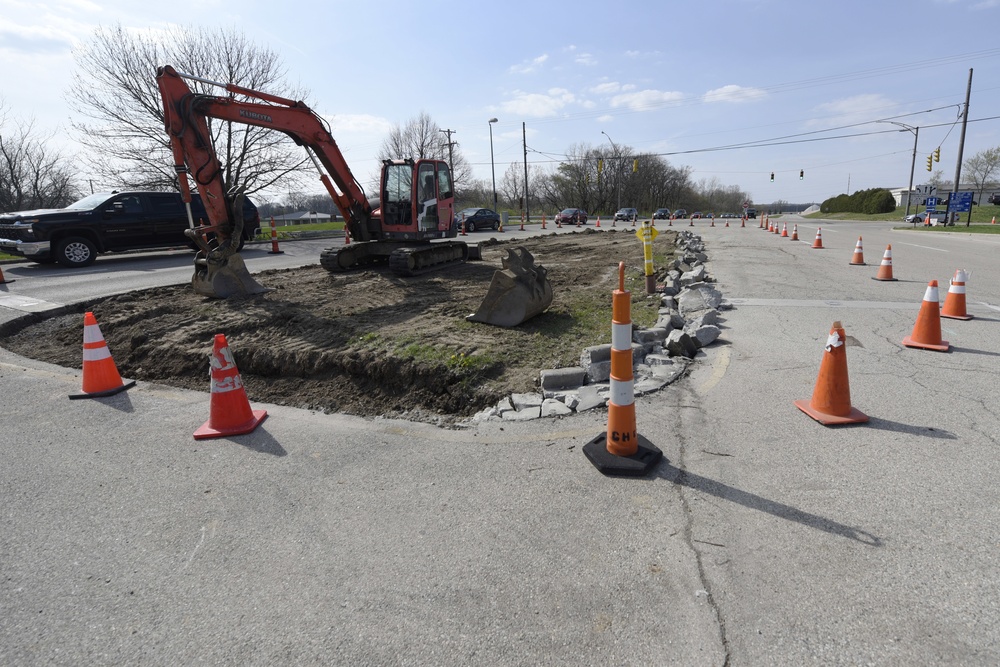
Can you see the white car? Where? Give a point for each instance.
(936, 219)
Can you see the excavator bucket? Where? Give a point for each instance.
(517, 293)
(223, 278)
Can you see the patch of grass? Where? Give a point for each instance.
(959, 228)
(980, 214)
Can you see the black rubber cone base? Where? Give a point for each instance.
(645, 458)
(126, 384)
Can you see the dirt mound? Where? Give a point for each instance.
(367, 343)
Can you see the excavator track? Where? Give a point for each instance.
(404, 260)
(412, 261)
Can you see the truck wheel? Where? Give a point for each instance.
(76, 252)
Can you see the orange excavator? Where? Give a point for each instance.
(415, 201)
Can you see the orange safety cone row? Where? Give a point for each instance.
(230, 412)
(621, 451)
(954, 300)
(100, 375)
(927, 331)
(795, 232)
(885, 268)
(831, 398)
(818, 242)
(858, 259)
(2, 279)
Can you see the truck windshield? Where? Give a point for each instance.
(89, 202)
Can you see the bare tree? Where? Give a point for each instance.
(32, 175)
(982, 169)
(114, 87)
(421, 138)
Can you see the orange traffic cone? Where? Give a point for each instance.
(776, 229)
(954, 300)
(994, 220)
(2, 279)
(543, 221)
(831, 399)
(795, 232)
(859, 255)
(522, 221)
(727, 223)
(818, 242)
(347, 235)
(598, 221)
(230, 412)
(885, 268)
(691, 222)
(743, 222)
(465, 231)
(784, 230)
(622, 451)
(100, 375)
(927, 331)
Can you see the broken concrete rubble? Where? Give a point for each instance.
(688, 321)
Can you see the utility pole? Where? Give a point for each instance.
(524, 141)
(961, 143)
(451, 164)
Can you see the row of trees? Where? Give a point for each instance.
(32, 174)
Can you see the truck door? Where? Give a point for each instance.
(126, 222)
(169, 218)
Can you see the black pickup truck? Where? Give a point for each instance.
(107, 222)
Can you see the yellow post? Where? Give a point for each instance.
(646, 234)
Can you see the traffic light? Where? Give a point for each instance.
(772, 177)
(802, 174)
(930, 161)
(937, 154)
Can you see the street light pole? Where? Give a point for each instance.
(913, 160)
(618, 176)
(492, 166)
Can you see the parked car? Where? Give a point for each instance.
(477, 218)
(751, 213)
(936, 219)
(627, 214)
(994, 199)
(108, 222)
(662, 214)
(696, 215)
(680, 213)
(571, 216)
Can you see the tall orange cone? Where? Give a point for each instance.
(818, 242)
(954, 300)
(885, 268)
(621, 450)
(2, 279)
(831, 399)
(230, 412)
(100, 375)
(927, 331)
(543, 221)
(859, 255)
(795, 232)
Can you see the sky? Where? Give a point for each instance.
(735, 90)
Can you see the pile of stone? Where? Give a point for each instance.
(688, 321)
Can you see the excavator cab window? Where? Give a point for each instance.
(427, 204)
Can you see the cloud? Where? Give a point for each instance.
(646, 100)
(359, 124)
(611, 87)
(585, 59)
(35, 40)
(855, 109)
(734, 94)
(606, 119)
(529, 66)
(538, 105)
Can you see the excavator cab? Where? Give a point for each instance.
(417, 199)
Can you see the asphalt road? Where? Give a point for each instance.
(764, 538)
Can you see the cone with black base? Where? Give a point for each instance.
(621, 451)
(830, 404)
(100, 375)
(885, 268)
(230, 413)
(858, 258)
(927, 331)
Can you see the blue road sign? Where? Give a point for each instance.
(960, 202)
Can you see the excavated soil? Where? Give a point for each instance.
(367, 343)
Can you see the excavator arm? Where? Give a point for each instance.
(218, 269)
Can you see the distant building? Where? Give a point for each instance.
(299, 218)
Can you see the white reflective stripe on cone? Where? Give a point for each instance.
(231, 383)
(621, 392)
(621, 336)
(92, 334)
(96, 353)
(957, 289)
(931, 294)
